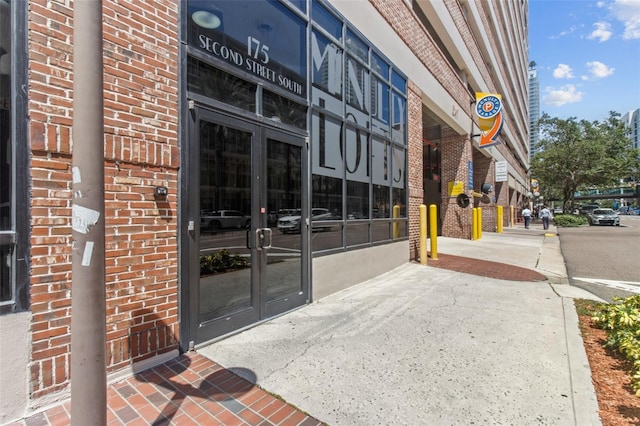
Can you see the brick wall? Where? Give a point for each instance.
(141, 151)
(416, 192)
(484, 172)
(456, 153)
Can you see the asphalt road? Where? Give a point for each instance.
(604, 259)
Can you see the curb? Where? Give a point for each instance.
(583, 394)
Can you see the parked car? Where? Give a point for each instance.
(604, 217)
(588, 208)
(557, 210)
(626, 210)
(224, 219)
(292, 223)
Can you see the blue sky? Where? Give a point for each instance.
(587, 54)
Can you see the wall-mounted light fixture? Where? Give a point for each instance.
(160, 192)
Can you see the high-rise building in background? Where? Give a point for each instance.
(632, 120)
(534, 108)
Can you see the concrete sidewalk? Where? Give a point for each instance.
(427, 345)
(420, 345)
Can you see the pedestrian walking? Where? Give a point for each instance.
(526, 214)
(545, 215)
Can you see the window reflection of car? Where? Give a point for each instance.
(274, 216)
(604, 217)
(224, 219)
(292, 223)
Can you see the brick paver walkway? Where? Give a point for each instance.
(188, 390)
(485, 268)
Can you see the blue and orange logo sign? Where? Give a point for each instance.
(489, 111)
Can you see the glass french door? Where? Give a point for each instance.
(242, 269)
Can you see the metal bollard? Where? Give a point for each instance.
(423, 234)
(433, 230)
(474, 223)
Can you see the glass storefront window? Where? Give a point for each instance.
(209, 81)
(380, 231)
(359, 106)
(325, 19)
(327, 194)
(6, 158)
(381, 202)
(327, 65)
(379, 65)
(5, 117)
(357, 234)
(262, 38)
(326, 146)
(399, 197)
(359, 140)
(357, 47)
(379, 104)
(14, 160)
(357, 85)
(327, 224)
(357, 200)
(283, 110)
(399, 125)
(301, 5)
(398, 82)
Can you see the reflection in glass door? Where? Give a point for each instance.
(283, 280)
(225, 219)
(248, 178)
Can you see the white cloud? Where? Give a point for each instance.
(567, 94)
(602, 32)
(563, 71)
(628, 12)
(571, 30)
(599, 70)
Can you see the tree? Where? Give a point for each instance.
(576, 155)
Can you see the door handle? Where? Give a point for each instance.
(263, 238)
(266, 242)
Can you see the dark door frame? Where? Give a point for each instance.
(189, 222)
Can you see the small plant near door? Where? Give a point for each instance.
(220, 262)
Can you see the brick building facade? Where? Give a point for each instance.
(436, 54)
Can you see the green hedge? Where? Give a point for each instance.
(569, 220)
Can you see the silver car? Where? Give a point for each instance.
(604, 217)
(292, 223)
(224, 219)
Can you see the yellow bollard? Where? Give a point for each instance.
(474, 223)
(433, 230)
(479, 222)
(396, 224)
(500, 219)
(513, 222)
(423, 234)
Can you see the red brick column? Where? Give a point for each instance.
(415, 173)
(456, 154)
